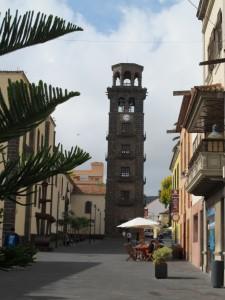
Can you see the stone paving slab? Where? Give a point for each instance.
(100, 272)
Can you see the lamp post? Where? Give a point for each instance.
(57, 222)
(66, 211)
(43, 205)
(89, 210)
(100, 220)
(95, 207)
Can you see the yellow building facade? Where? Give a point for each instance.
(175, 170)
(39, 216)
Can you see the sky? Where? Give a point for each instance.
(162, 35)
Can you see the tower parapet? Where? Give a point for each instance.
(127, 74)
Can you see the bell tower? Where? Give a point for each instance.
(125, 158)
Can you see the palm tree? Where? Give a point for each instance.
(28, 105)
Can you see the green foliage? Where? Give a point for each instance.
(161, 255)
(28, 106)
(22, 31)
(166, 190)
(78, 223)
(21, 255)
(21, 174)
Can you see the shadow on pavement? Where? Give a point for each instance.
(17, 283)
(181, 277)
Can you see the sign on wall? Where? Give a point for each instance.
(175, 201)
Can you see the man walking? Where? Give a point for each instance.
(12, 239)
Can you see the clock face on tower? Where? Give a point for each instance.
(126, 118)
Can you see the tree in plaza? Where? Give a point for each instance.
(165, 191)
(78, 223)
(28, 105)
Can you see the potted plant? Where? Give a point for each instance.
(159, 259)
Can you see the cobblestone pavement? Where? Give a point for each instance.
(99, 271)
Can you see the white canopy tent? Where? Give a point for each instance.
(139, 223)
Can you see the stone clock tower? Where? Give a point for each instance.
(125, 159)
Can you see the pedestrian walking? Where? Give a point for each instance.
(12, 239)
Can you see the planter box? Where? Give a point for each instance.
(161, 270)
(43, 243)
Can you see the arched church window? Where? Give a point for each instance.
(121, 105)
(87, 208)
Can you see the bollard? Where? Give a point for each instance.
(217, 273)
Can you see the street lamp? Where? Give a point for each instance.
(66, 212)
(95, 207)
(43, 201)
(88, 210)
(100, 219)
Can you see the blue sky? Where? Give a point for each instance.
(105, 15)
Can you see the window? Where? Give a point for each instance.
(62, 190)
(125, 171)
(39, 197)
(215, 42)
(84, 177)
(195, 228)
(124, 196)
(131, 105)
(87, 207)
(38, 140)
(127, 78)
(35, 195)
(47, 132)
(121, 105)
(125, 149)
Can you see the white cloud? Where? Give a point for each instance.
(171, 64)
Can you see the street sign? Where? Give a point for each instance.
(175, 201)
(175, 217)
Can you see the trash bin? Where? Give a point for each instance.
(217, 273)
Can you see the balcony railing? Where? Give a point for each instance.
(205, 166)
(208, 145)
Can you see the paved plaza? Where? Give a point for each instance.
(99, 271)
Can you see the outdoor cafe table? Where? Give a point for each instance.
(141, 251)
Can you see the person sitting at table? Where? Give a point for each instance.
(141, 249)
(151, 246)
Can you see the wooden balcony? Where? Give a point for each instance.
(205, 167)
